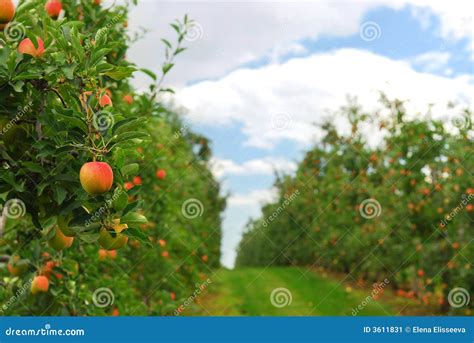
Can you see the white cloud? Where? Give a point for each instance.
(237, 32)
(302, 90)
(431, 61)
(234, 33)
(264, 166)
(456, 17)
(252, 199)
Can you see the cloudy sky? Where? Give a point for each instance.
(258, 74)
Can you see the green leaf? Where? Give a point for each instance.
(167, 67)
(89, 237)
(167, 43)
(130, 169)
(138, 235)
(34, 167)
(120, 200)
(120, 73)
(123, 125)
(131, 206)
(129, 135)
(133, 218)
(149, 73)
(59, 195)
(179, 50)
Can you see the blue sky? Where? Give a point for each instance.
(258, 74)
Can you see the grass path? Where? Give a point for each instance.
(247, 292)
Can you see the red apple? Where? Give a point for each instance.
(96, 177)
(137, 180)
(128, 99)
(27, 47)
(161, 174)
(60, 241)
(7, 12)
(53, 8)
(102, 254)
(39, 284)
(47, 269)
(105, 101)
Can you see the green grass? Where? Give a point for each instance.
(247, 291)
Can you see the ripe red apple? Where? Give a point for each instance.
(105, 254)
(39, 284)
(110, 240)
(128, 185)
(128, 99)
(96, 177)
(137, 180)
(105, 101)
(47, 269)
(7, 12)
(161, 174)
(102, 254)
(60, 241)
(53, 8)
(27, 47)
(17, 266)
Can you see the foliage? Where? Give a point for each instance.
(378, 212)
(53, 121)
